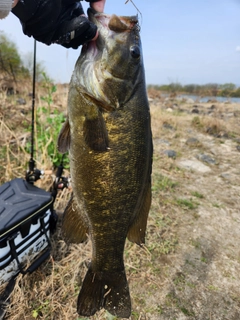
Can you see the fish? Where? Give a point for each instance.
(109, 139)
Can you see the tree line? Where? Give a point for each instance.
(16, 70)
(210, 89)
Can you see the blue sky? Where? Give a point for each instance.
(186, 41)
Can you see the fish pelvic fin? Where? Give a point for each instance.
(95, 133)
(137, 230)
(108, 290)
(64, 138)
(75, 224)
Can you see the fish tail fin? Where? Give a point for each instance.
(107, 290)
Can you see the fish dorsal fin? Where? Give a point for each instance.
(75, 224)
(137, 230)
(95, 133)
(64, 138)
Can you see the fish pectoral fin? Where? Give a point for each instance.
(137, 230)
(74, 226)
(95, 133)
(108, 290)
(64, 138)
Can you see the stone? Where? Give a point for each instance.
(161, 141)
(167, 126)
(206, 158)
(192, 142)
(21, 101)
(195, 110)
(170, 153)
(194, 165)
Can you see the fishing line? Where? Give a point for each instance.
(136, 9)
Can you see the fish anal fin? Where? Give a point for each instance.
(74, 225)
(108, 290)
(64, 138)
(95, 133)
(137, 230)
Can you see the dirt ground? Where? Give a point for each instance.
(190, 266)
(202, 280)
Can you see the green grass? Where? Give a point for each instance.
(187, 203)
(163, 183)
(197, 123)
(197, 195)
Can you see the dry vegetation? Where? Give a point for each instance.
(190, 266)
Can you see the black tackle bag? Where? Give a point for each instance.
(26, 219)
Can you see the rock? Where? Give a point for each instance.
(195, 110)
(194, 165)
(161, 141)
(238, 148)
(169, 110)
(230, 115)
(226, 176)
(170, 153)
(192, 142)
(167, 126)
(189, 100)
(24, 112)
(21, 101)
(206, 158)
(211, 101)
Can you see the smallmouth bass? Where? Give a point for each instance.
(108, 135)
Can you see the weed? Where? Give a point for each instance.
(216, 205)
(109, 316)
(197, 123)
(43, 308)
(47, 128)
(173, 300)
(197, 195)
(195, 243)
(203, 259)
(168, 246)
(186, 311)
(159, 309)
(187, 204)
(47, 84)
(191, 285)
(162, 183)
(135, 315)
(212, 288)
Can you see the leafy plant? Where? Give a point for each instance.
(48, 124)
(40, 310)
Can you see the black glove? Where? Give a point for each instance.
(55, 21)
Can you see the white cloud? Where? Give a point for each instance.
(238, 48)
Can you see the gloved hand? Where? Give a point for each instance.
(55, 21)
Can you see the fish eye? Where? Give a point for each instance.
(135, 52)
